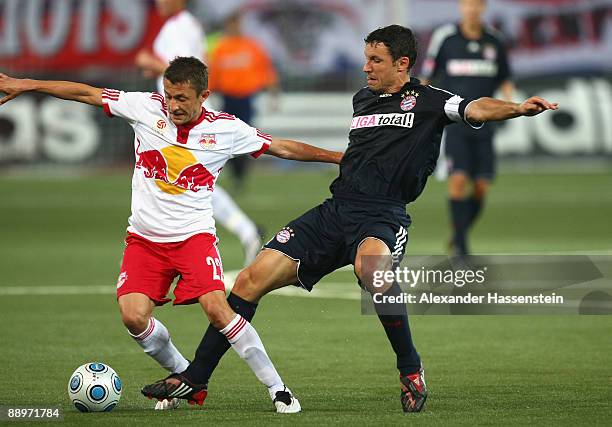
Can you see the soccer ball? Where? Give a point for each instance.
(94, 387)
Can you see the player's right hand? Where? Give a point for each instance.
(535, 105)
(11, 87)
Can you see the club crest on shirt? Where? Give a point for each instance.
(208, 141)
(408, 103)
(489, 52)
(409, 100)
(284, 235)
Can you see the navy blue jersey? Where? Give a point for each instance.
(473, 68)
(394, 142)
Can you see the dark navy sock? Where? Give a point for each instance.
(460, 213)
(214, 344)
(395, 322)
(474, 208)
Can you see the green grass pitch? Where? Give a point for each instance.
(519, 370)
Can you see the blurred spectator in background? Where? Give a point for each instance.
(468, 58)
(240, 68)
(182, 35)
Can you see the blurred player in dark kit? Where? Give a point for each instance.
(468, 58)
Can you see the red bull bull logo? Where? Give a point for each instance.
(175, 170)
(195, 178)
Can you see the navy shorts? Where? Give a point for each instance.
(327, 237)
(470, 151)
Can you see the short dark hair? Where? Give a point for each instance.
(399, 40)
(190, 70)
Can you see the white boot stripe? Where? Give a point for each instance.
(182, 390)
(185, 390)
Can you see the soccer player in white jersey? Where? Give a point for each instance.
(182, 35)
(180, 148)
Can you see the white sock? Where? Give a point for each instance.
(156, 342)
(230, 216)
(246, 342)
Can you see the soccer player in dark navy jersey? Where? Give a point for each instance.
(468, 58)
(394, 143)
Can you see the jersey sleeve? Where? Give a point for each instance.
(434, 58)
(453, 108)
(126, 105)
(249, 140)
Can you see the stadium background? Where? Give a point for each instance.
(64, 200)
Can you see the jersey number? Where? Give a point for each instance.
(215, 263)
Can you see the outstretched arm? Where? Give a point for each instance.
(489, 109)
(294, 150)
(72, 91)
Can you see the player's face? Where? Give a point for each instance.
(184, 103)
(472, 10)
(382, 73)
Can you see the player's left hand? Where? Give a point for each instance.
(150, 65)
(11, 87)
(142, 58)
(145, 60)
(535, 105)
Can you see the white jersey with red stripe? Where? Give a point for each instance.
(181, 35)
(177, 166)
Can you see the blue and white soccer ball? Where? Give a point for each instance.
(94, 387)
